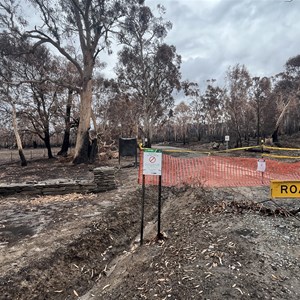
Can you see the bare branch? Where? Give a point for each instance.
(43, 39)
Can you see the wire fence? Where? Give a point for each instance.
(12, 156)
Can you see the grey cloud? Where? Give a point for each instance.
(212, 35)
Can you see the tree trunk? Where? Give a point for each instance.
(22, 158)
(94, 120)
(66, 141)
(17, 135)
(148, 133)
(258, 125)
(47, 143)
(239, 142)
(149, 139)
(279, 120)
(184, 134)
(198, 132)
(82, 141)
(93, 150)
(275, 135)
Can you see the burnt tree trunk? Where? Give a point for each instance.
(66, 141)
(198, 133)
(22, 158)
(82, 139)
(47, 143)
(82, 155)
(17, 135)
(258, 125)
(89, 149)
(93, 150)
(275, 135)
(279, 121)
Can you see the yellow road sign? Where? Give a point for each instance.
(285, 189)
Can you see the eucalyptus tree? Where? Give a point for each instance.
(237, 102)
(192, 91)
(68, 108)
(105, 94)
(9, 97)
(286, 93)
(9, 93)
(79, 30)
(260, 99)
(123, 122)
(70, 121)
(183, 118)
(39, 79)
(213, 101)
(148, 69)
(40, 98)
(293, 71)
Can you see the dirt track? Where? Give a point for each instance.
(219, 244)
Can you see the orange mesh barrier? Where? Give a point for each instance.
(217, 171)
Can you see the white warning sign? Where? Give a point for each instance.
(152, 162)
(261, 165)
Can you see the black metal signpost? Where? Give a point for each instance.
(152, 165)
(159, 234)
(143, 209)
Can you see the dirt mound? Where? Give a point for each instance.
(214, 251)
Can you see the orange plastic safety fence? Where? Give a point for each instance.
(217, 171)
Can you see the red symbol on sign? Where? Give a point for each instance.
(152, 159)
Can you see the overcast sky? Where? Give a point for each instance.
(212, 35)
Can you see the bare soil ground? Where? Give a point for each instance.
(219, 243)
